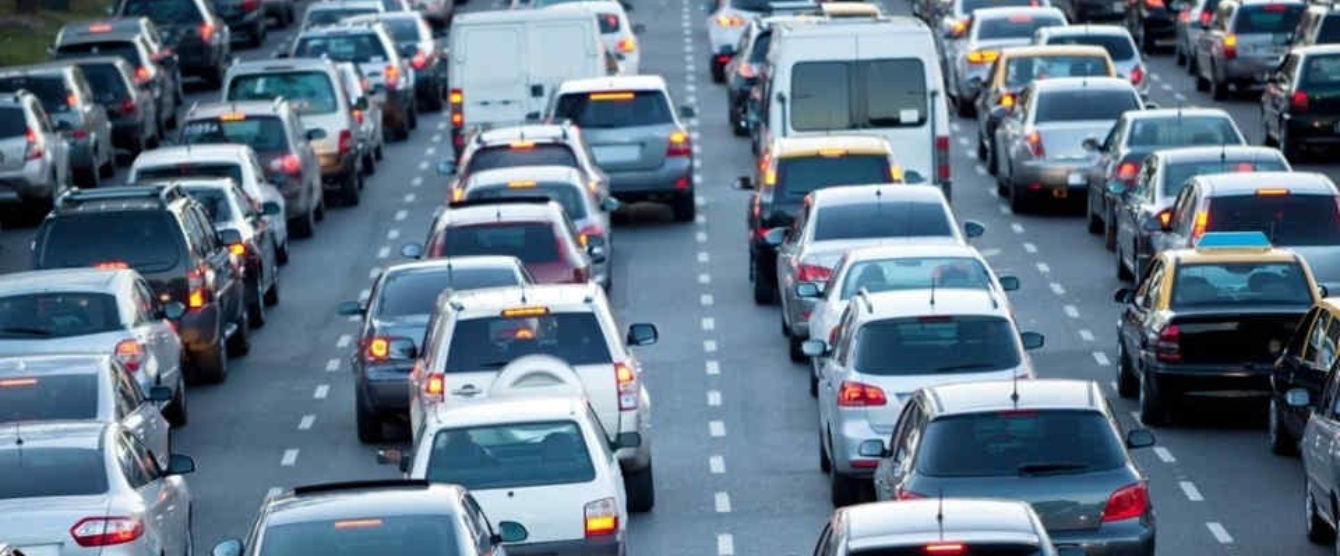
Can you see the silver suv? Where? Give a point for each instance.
(68, 99)
(34, 159)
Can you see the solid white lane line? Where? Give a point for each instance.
(1085, 335)
(713, 398)
(1101, 358)
(1164, 455)
(706, 300)
(333, 365)
(710, 346)
(290, 457)
(717, 465)
(384, 252)
(392, 234)
(722, 503)
(1220, 534)
(1057, 288)
(1192, 493)
(1044, 268)
(709, 323)
(344, 341)
(1071, 311)
(1030, 247)
(321, 391)
(306, 422)
(401, 214)
(717, 429)
(725, 544)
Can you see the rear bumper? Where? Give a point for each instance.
(659, 180)
(336, 168)
(599, 546)
(848, 432)
(385, 387)
(31, 182)
(1250, 69)
(1053, 178)
(1132, 537)
(1314, 130)
(1212, 381)
(127, 134)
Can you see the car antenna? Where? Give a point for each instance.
(932, 290)
(1014, 389)
(940, 513)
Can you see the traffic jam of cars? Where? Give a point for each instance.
(463, 364)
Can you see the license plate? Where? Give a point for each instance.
(41, 550)
(1075, 178)
(1060, 193)
(616, 153)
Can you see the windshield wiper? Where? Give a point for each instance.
(28, 331)
(1051, 467)
(965, 367)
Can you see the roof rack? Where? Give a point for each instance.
(165, 193)
(355, 485)
(518, 200)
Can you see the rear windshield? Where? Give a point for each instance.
(532, 242)
(969, 6)
(1240, 284)
(1021, 442)
(1184, 131)
(1289, 220)
(916, 274)
(419, 535)
(50, 91)
(262, 134)
(1322, 72)
(1330, 31)
(42, 472)
(12, 122)
(358, 48)
(1015, 26)
(148, 241)
(762, 43)
(188, 170)
(510, 456)
(609, 23)
(567, 195)
(124, 49)
(762, 6)
(798, 176)
(936, 345)
(57, 315)
(331, 16)
(310, 92)
(415, 292)
(164, 12)
(403, 29)
(876, 219)
(106, 82)
(1021, 70)
(615, 109)
(1078, 105)
(969, 549)
(493, 342)
(540, 154)
(1176, 174)
(1118, 47)
(1269, 18)
(48, 397)
(214, 201)
(893, 92)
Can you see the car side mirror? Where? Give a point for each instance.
(230, 547)
(271, 208)
(1009, 283)
(913, 176)
(973, 228)
(350, 308)
(160, 394)
(639, 28)
(776, 236)
(596, 252)
(610, 204)
(316, 134)
(1151, 105)
(1032, 340)
(743, 183)
(1323, 291)
(510, 531)
(1091, 144)
(809, 290)
(687, 112)
(230, 236)
(180, 465)
(1139, 438)
(173, 310)
(814, 348)
(1298, 397)
(446, 167)
(642, 334)
(627, 440)
(1123, 295)
(411, 251)
(872, 449)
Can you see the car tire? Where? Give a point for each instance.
(1291, 150)
(1191, 66)
(281, 255)
(377, 152)
(1318, 531)
(240, 342)
(1095, 224)
(1281, 442)
(964, 107)
(304, 226)
(814, 385)
(1153, 411)
(272, 294)
(401, 132)
(369, 164)
(1202, 84)
(794, 350)
(1123, 273)
(212, 367)
(413, 117)
(108, 168)
(641, 489)
(718, 71)
(825, 464)
(175, 412)
(1019, 202)
(1179, 57)
(433, 102)
(684, 208)
(763, 295)
(370, 430)
(349, 195)
(320, 213)
(1128, 385)
(256, 309)
(843, 490)
(1218, 88)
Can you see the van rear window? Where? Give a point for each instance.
(892, 93)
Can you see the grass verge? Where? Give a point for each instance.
(24, 38)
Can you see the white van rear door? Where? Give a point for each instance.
(492, 75)
(563, 50)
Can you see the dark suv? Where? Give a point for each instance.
(1298, 108)
(200, 36)
(164, 234)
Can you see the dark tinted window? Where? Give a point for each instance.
(1021, 70)
(164, 12)
(916, 274)
(50, 91)
(1011, 443)
(48, 397)
(1329, 33)
(615, 109)
(1321, 72)
(214, 201)
(511, 456)
(754, 5)
(148, 241)
(532, 242)
(124, 49)
(1289, 220)
(38, 472)
(567, 195)
(970, 6)
(1185, 131)
(969, 549)
(12, 122)
(403, 29)
(188, 170)
(1015, 26)
(1240, 284)
(762, 43)
(1118, 47)
(414, 292)
(895, 93)
(106, 82)
(261, 133)
(1078, 105)
(936, 345)
(57, 314)
(820, 96)
(1269, 18)
(541, 154)
(798, 176)
(493, 342)
(410, 535)
(309, 92)
(609, 23)
(358, 48)
(872, 220)
(1175, 175)
(330, 16)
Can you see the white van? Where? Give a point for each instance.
(506, 64)
(877, 74)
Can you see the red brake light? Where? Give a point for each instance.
(1128, 502)
(945, 549)
(902, 493)
(1275, 7)
(1168, 348)
(1185, 16)
(111, 265)
(1126, 171)
(1155, 4)
(813, 273)
(289, 164)
(419, 61)
(128, 107)
(627, 45)
(250, 5)
(34, 149)
(858, 394)
(358, 116)
(206, 32)
(130, 353)
(391, 75)
(1205, 17)
(142, 75)
(1034, 141)
(678, 145)
(1137, 75)
(601, 517)
(1299, 102)
(346, 141)
(746, 70)
(628, 386)
(106, 531)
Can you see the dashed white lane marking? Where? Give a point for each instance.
(321, 391)
(713, 398)
(722, 502)
(290, 457)
(363, 295)
(963, 141)
(429, 151)
(700, 237)
(1057, 288)
(1180, 97)
(1071, 311)
(417, 181)
(725, 544)
(401, 214)
(343, 341)
(706, 300)
(393, 233)
(1030, 247)
(1155, 77)
(333, 365)
(1164, 455)
(955, 127)
(1017, 227)
(704, 278)
(1003, 209)
(709, 323)
(441, 125)
(410, 197)
(437, 137)
(374, 271)
(1044, 268)
(981, 171)
(1165, 87)
(717, 429)
(1192, 493)
(1086, 335)
(703, 256)
(1101, 359)
(306, 422)
(423, 165)
(700, 220)
(710, 346)
(712, 367)
(384, 252)
(717, 465)
(988, 253)
(1220, 534)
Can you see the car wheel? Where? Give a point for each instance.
(1179, 57)
(256, 309)
(718, 71)
(433, 103)
(1109, 233)
(303, 226)
(1152, 410)
(377, 152)
(240, 342)
(1128, 385)
(641, 489)
(272, 294)
(965, 107)
(684, 208)
(1191, 66)
(1095, 224)
(281, 256)
(108, 168)
(320, 212)
(1281, 442)
(413, 117)
(814, 385)
(981, 148)
(1218, 89)
(175, 412)
(369, 164)
(793, 349)
(843, 490)
(825, 464)
(369, 422)
(1202, 84)
(1289, 147)
(763, 295)
(1318, 531)
(212, 366)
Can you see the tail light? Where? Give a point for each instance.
(457, 101)
(71, 100)
(1200, 225)
(746, 70)
(587, 233)
(1276, 8)
(419, 61)
(391, 75)
(1034, 142)
(942, 169)
(1230, 46)
(346, 141)
(238, 249)
(945, 549)
(580, 275)
(978, 57)
(723, 59)
(1127, 171)
(729, 21)
(106, 531)
(130, 353)
(142, 75)
(435, 387)
(678, 145)
(1165, 218)
(379, 348)
(207, 32)
(1205, 17)
(959, 28)
(128, 107)
(79, 134)
(602, 517)
(1137, 75)
(1168, 348)
(627, 45)
(628, 385)
(1298, 103)
(197, 295)
(1006, 101)
(901, 493)
(1184, 17)
(1128, 502)
(358, 116)
(34, 149)
(250, 5)
(813, 273)
(1155, 4)
(289, 164)
(859, 394)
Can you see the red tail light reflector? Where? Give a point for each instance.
(858, 394)
(130, 353)
(106, 531)
(1128, 502)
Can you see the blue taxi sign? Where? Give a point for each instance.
(1233, 240)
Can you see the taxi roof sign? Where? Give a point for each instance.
(1233, 240)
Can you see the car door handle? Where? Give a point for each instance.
(467, 390)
